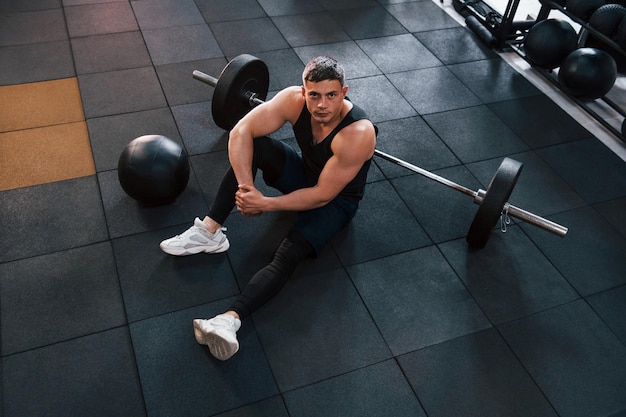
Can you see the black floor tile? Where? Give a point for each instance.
(234, 37)
(110, 134)
(181, 43)
(394, 228)
(539, 121)
(75, 219)
(166, 13)
(346, 4)
(209, 169)
(590, 256)
(99, 19)
(274, 407)
(611, 307)
(36, 62)
(391, 105)
(576, 361)
(359, 64)
(455, 45)
(10, 6)
(476, 375)
(443, 212)
(36, 293)
(383, 51)
(493, 80)
(433, 90)
(94, 375)
(374, 174)
(225, 10)
(281, 7)
(309, 29)
(613, 211)
(126, 216)
(367, 22)
(123, 91)
(179, 85)
(68, 3)
(510, 278)
(325, 333)
(416, 300)
(475, 134)
(285, 68)
(596, 173)
(420, 16)
(111, 52)
(199, 132)
(180, 377)
(390, 395)
(538, 189)
(162, 283)
(414, 142)
(32, 27)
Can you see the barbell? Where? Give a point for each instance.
(243, 84)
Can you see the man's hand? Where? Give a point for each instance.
(249, 200)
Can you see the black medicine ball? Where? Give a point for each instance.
(548, 42)
(153, 170)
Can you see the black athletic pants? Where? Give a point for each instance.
(269, 157)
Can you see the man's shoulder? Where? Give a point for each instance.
(360, 133)
(288, 102)
(292, 92)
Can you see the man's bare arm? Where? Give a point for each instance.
(352, 147)
(261, 121)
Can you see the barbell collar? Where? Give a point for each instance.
(527, 216)
(252, 97)
(253, 100)
(536, 220)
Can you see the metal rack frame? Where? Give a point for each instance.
(502, 32)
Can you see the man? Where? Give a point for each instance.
(324, 186)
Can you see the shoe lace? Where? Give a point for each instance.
(223, 323)
(192, 230)
(195, 229)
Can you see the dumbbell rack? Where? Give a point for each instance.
(502, 32)
(495, 29)
(585, 31)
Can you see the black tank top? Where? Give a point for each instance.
(315, 156)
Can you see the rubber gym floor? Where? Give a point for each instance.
(395, 318)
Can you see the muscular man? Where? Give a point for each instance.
(324, 186)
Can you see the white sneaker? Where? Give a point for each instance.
(196, 239)
(219, 334)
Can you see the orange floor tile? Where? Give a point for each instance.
(43, 155)
(47, 103)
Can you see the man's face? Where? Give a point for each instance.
(324, 99)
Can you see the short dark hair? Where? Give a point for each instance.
(323, 68)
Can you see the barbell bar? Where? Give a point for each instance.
(243, 84)
(479, 196)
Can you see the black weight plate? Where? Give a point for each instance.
(496, 196)
(244, 73)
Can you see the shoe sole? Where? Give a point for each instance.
(222, 247)
(220, 348)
